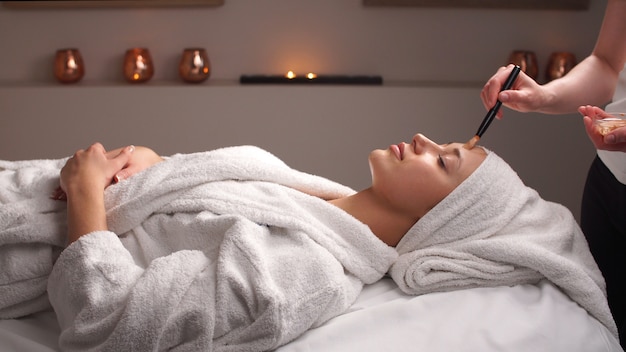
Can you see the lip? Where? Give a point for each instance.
(398, 150)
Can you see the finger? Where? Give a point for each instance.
(123, 157)
(121, 160)
(97, 148)
(490, 93)
(593, 112)
(113, 153)
(588, 121)
(591, 131)
(617, 136)
(490, 90)
(588, 110)
(58, 194)
(594, 134)
(125, 173)
(599, 112)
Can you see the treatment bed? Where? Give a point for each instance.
(520, 318)
(321, 140)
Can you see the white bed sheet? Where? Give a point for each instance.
(520, 318)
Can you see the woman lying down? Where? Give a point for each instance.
(233, 250)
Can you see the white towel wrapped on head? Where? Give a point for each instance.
(493, 230)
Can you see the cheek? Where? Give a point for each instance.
(432, 195)
(421, 192)
(418, 196)
(410, 188)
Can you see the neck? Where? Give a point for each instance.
(386, 223)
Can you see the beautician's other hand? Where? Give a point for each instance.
(141, 159)
(525, 95)
(615, 140)
(92, 169)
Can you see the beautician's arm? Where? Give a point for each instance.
(83, 179)
(592, 81)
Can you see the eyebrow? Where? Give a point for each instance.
(457, 151)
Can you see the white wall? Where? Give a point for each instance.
(434, 62)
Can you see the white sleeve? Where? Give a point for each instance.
(616, 161)
(104, 301)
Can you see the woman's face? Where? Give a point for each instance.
(413, 178)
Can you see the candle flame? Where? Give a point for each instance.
(197, 61)
(140, 62)
(311, 75)
(290, 75)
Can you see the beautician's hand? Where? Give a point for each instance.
(525, 95)
(615, 140)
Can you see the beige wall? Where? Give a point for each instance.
(273, 36)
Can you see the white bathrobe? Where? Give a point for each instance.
(228, 250)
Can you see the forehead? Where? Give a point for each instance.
(476, 152)
(471, 158)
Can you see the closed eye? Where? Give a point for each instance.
(441, 161)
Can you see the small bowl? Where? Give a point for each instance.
(610, 121)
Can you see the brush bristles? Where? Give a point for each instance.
(471, 143)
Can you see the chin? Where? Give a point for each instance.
(379, 164)
(375, 158)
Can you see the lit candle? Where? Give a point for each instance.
(68, 66)
(194, 66)
(138, 66)
(310, 78)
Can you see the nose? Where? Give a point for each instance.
(421, 144)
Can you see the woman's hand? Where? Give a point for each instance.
(93, 169)
(140, 159)
(614, 141)
(83, 180)
(525, 95)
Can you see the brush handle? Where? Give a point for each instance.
(491, 114)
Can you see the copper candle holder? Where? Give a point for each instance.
(559, 64)
(138, 66)
(526, 60)
(68, 65)
(194, 65)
